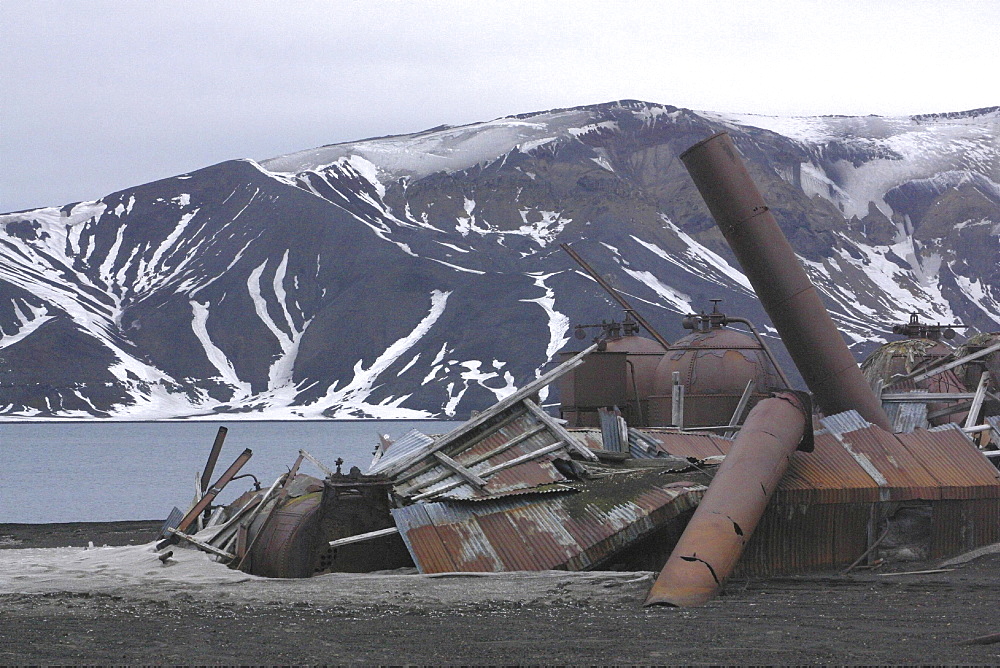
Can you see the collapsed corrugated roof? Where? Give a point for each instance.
(575, 530)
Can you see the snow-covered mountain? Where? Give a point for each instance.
(420, 275)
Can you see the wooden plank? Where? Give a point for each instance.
(497, 408)
(926, 397)
(977, 401)
(515, 413)
(317, 463)
(201, 545)
(740, 407)
(494, 469)
(559, 431)
(460, 470)
(951, 365)
(213, 457)
(209, 496)
(362, 537)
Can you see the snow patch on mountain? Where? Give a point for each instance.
(558, 322)
(351, 399)
(29, 318)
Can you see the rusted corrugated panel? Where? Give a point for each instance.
(590, 438)
(540, 532)
(422, 539)
(950, 457)
(906, 478)
(828, 474)
(798, 538)
(678, 444)
(482, 452)
(961, 525)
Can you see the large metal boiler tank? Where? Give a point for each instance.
(885, 369)
(620, 373)
(714, 364)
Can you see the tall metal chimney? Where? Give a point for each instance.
(784, 289)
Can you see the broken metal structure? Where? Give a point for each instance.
(695, 457)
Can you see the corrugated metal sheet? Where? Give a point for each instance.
(960, 470)
(905, 417)
(405, 446)
(680, 444)
(553, 531)
(828, 474)
(841, 423)
(802, 537)
(614, 435)
(961, 525)
(906, 478)
(487, 453)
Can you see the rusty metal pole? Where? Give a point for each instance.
(781, 284)
(713, 540)
(615, 295)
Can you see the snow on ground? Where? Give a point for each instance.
(136, 572)
(30, 318)
(916, 149)
(449, 149)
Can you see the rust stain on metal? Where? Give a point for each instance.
(724, 521)
(571, 531)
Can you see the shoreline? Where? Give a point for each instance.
(26, 535)
(123, 606)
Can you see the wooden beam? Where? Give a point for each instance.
(559, 431)
(977, 401)
(927, 397)
(492, 470)
(951, 365)
(462, 472)
(495, 409)
(201, 545)
(363, 537)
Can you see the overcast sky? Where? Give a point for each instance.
(96, 96)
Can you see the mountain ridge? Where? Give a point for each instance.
(419, 275)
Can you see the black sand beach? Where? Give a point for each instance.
(862, 618)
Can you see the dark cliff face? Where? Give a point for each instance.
(421, 275)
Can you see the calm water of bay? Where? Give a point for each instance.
(111, 471)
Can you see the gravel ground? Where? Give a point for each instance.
(62, 605)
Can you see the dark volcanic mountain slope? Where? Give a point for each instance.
(420, 275)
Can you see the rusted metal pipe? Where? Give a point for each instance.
(721, 526)
(615, 295)
(781, 284)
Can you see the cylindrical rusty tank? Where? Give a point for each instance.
(621, 374)
(784, 289)
(715, 365)
(969, 373)
(898, 358)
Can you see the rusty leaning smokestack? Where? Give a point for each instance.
(784, 289)
(723, 522)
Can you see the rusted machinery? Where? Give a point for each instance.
(891, 365)
(721, 371)
(621, 372)
(784, 289)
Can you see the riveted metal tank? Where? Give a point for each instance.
(620, 373)
(714, 366)
(886, 366)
